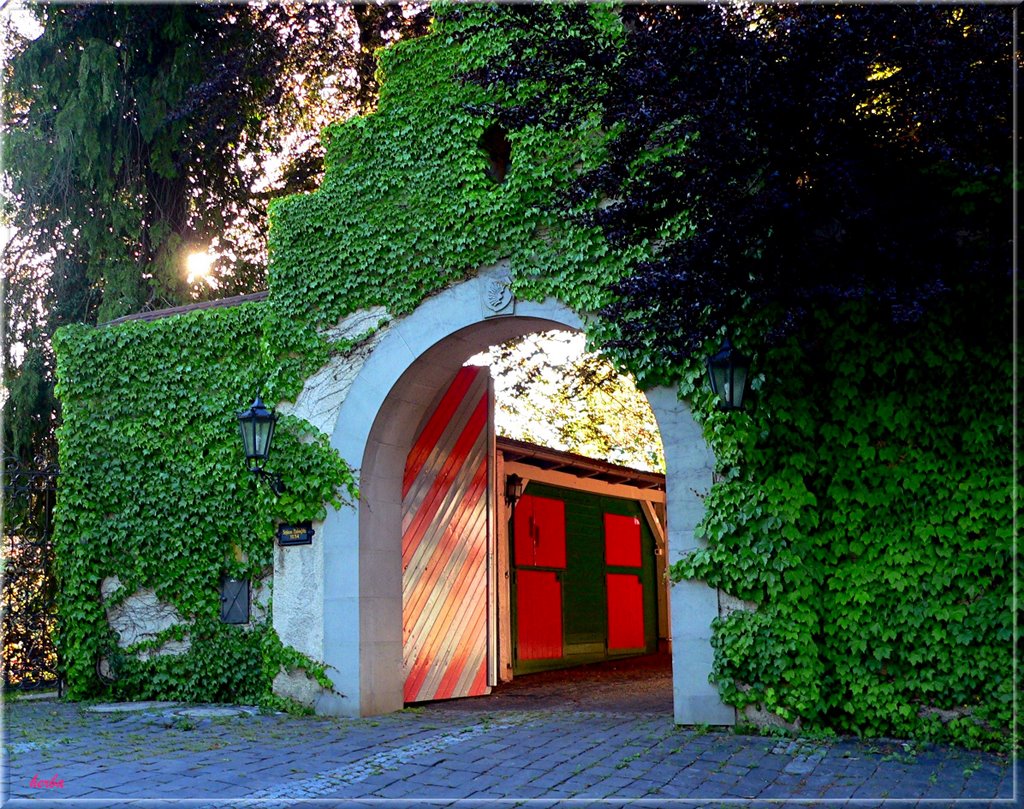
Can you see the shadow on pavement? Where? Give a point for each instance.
(631, 685)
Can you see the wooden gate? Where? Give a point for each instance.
(445, 546)
(583, 579)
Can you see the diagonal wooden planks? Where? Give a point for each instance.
(444, 546)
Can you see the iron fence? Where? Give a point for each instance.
(29, 610)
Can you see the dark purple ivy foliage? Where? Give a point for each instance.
(785, 158)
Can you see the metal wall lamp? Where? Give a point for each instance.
(513, 490)
(257, 427)
(728, 371)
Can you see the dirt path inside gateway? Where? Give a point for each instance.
(635, 685)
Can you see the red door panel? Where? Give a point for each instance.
(622, 540)
(539, 530)
(538, 614)
(625, 611)
(522, 531)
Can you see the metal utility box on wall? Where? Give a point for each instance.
(583, 579)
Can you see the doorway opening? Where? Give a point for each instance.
(357, 572)
(569, 569)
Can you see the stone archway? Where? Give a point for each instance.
(357, 564)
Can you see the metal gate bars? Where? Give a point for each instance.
(29, 590)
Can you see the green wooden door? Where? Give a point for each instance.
(589, 584)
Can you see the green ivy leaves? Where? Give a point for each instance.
(406, 207)
(865, 507)
(154, 490)
(863, 503)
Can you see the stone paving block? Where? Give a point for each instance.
(535, 755)
(874, 791)
(789, 779)
(914, 786)
(150, 790)
(602, 770)
(730, 768)
(766, 771)
(672, 790)
(382, 780)
(818, 782)
(475, 766)
(583, 783)
(614, 782)
(225, 787)
(102, 779)
(984, 780)
(437, 776)
(749, 787)
(776, 790)
(527, 791)
(644, 785)
(516, 780)
(430, 759)
(550, 779)
(397, 789)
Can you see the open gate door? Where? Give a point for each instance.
(445, 547)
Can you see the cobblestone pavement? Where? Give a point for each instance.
(58, 754)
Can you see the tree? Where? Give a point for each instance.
(779, 159)
(550, 391)
(136, 133)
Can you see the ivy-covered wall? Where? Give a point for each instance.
(406, 206)
(153, 491)
(865, 508)
(864, 505)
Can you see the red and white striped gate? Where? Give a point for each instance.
(445, 546)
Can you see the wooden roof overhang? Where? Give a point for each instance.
(577, 465)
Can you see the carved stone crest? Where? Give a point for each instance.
(497, 297)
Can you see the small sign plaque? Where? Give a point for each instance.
(300, 533)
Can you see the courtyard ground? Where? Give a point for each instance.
(602, 737)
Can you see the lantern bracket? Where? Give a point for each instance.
(272, 479)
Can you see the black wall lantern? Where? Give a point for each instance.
(728, 371)
(513, 490)
(257, 427)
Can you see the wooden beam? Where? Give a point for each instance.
(566, 481)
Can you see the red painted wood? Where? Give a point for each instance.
(428, 540)
(463, 657)
(436, 600)
(625, 611)
(539, 532)
(428, 439)
(479, 684)
(622, 540)
(538, 614)
(444, 624)
(444, 546)
(432, 572)
(453, 631)
(522, 531)
(441, 484)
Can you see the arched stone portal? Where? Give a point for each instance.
(357, 564)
